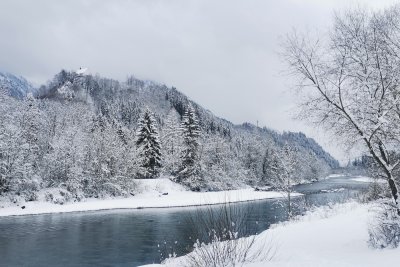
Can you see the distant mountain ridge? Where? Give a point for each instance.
(17, 87)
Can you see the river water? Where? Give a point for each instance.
(137, 237)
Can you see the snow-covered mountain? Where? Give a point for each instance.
(17, 87)
(126, 101)
(80, 135)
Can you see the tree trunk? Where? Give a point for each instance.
(388, 172)
(394, 191)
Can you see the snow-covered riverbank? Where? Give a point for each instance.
(329, 236)
(364, 179)
(155, 193)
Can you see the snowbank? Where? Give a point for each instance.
(154, 193)
(156, 186)
(365, 179)
(335, 175)
(329, 237)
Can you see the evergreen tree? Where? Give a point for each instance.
(270, 166)
(190, 168)
(149, 147)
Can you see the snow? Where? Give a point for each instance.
(152, 194)
(66, 90)
(333, 190)
(335, 175)
(161, 185)
(365, 179)
(328, 237)
(331, 176)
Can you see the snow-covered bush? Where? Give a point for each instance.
(223, 183)
(226, 250)
(27, 189)
(55, 195)
(117, 188)
(110, 189)
(221, 241)
(375, 191)
(13, 199)
(384, 230)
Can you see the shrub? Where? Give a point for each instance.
(222, 242)
(56, 195)
(384, 231)
(27, 189)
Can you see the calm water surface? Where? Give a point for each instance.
(135, 237)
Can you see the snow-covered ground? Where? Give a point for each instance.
(335, 175)
(365, 179)
(330, 176)
(328, 237)
(153, 193)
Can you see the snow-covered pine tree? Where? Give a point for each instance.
(149, 147)
(270, 166)
(189, 173)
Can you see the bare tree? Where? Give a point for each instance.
(349, 82)
(283, 171)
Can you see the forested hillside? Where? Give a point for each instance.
(88, 136)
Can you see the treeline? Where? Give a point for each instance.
(86, 136)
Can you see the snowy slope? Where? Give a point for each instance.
(328, 237)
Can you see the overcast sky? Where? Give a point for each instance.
(222, 54)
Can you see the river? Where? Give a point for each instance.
(136, 237)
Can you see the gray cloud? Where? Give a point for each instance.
(222, 54)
